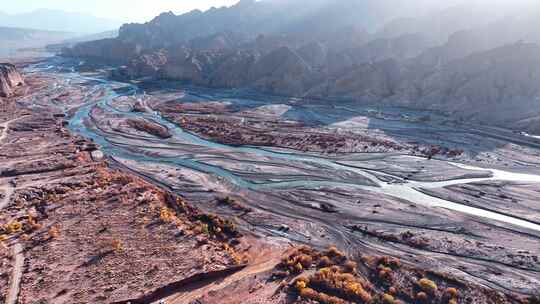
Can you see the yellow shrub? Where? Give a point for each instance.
(350, 266)
(167, 215)
(388, 299)
(332, 279)
(422, 297)
(385, 273)
(33, 223)
(325, 262)
(452, 292)
(305, 260)
(14, 227)
(53, 233)
(298, 268)
(333, 252)
(427, 285)
(308, 293)
(300, 285)
(205, 229)
(117, 245)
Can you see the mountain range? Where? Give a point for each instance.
(21, 42)
(27, 35)
(58, 20)
(460, 59)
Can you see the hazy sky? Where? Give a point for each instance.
(124, 10)
(144, 10)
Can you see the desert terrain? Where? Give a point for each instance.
(117, 192)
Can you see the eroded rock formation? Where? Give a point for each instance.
(9, 79)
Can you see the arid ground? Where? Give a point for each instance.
(117, 192)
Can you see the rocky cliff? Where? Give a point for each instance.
(505, 80)
(107, 50)
(9, 79)
(499, 86)
(243, 22)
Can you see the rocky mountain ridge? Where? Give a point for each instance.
(483, 62)
(9, 79)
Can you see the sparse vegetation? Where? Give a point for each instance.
(334, 281)
(167, 215)
(422, 297)
(32, 222)
(451, 292)
(385, 269)
(53, 233)
(301, 258)
(393, 263)
(321, 297)
(233, 204)
(214, 225)
(117, 245)
(427, 286)
(342, 284)
(14, 227)
(388, 299)
(350, 266)
(325, 262)
(330, 276)
(385, 273)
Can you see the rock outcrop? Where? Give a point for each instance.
(230, 26)
(107, 50)
(234, 70)
(9, 79)
(499, 86)
(282, 71)
(505, 79)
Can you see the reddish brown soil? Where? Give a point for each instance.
(216, 122)
(149, 127)
(92, 234)
(95, 235)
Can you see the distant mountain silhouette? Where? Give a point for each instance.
(16, 42)
(57, 47)
(57, 20)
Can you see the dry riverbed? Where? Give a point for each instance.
(98, 188)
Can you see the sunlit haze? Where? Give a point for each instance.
(124, 10)
(145, 10)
